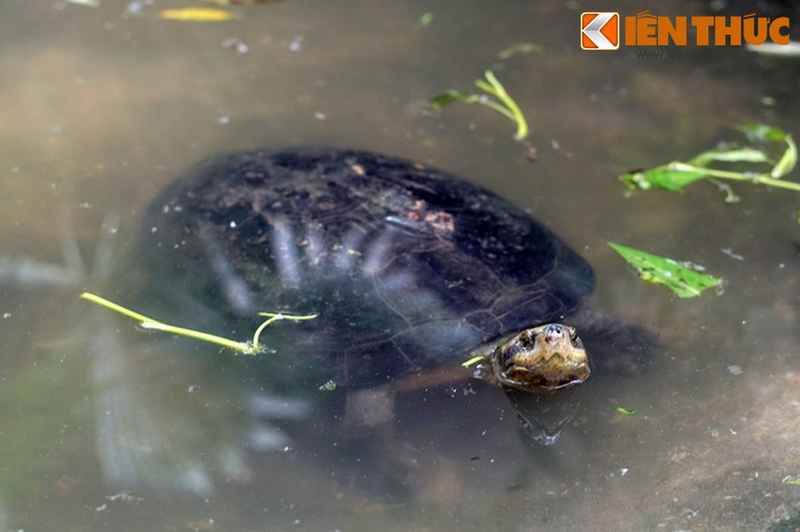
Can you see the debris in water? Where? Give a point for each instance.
(242, 2)
(90, 3)
(297, 43)
(731, 254)
(328, 386)
(423, 22)
(236, 44)
(198, 14)
(521, 48)
(735, 370)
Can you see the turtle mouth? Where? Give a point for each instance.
(543, 359)
(522, 378)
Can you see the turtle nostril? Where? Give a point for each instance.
(553, 333)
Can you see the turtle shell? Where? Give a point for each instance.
(406, 266)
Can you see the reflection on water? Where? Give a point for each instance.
(106, 426)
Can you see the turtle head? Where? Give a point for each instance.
(542, 359)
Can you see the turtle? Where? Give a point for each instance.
(411, 272)
(407, 268)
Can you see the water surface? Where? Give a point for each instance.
(104, 426)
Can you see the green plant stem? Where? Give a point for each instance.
(499, 91)
(242, 347)
(472, 361)
(787, 162)
(492, 88)
(113, 306)
(758, 179)
(150, 323)
(496, 106)
(275, 316)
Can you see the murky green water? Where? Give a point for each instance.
(105, 427)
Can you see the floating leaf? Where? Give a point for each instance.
(674, 177)
(503, 103)
(677, 175)
(625, 411)
(684, 281)
(521, 48)
(732, 154)
(446, 98)
(762, 132)
(198, 14)
(423, 22)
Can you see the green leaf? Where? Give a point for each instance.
(423, 22)
(684, 281)
(676, 175)
(673, 177)
(446, 98)
(732, 154)
(762, 132)
(788, 161)
(328, 386)
(503, 104)
(625, 411)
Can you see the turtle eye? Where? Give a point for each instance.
(525, 340)
(573, 337)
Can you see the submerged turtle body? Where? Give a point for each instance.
(407, 267)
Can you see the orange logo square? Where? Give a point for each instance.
(599, 30)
